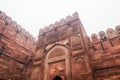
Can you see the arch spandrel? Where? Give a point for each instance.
(56, 53)
(57, 50)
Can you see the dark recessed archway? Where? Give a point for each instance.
(57, 78)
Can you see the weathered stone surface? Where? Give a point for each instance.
(103, 53)
(62, 50)
(15, 54)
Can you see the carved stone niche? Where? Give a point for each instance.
(102, 35)
(117, 29)
(76, 44)
(94, 37)
(80, 65)
(110, 33)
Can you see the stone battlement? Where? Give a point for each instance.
(104, 42)
(62, 48)
(15, 32)
(60, 23)
(59, 30)
(103, 50)
(102, 35)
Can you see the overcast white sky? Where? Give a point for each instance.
(32, 15)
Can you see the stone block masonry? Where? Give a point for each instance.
(63, 50)
(16, 49)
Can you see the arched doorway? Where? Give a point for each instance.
(57, 63)
(57, 78)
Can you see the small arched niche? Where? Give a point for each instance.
(80, 65)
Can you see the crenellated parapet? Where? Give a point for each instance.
(61, 42)
(15, 32)
(58, 30)
(57, 24)
(104, 35)
(105, 53)
(104, 41)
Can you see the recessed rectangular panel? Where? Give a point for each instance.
(56, 69)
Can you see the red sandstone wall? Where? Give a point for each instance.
(105, 54)
(13, 31)
(69, 35)
(103, 50)
(16, 49)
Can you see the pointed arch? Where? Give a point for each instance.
(57, 55)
